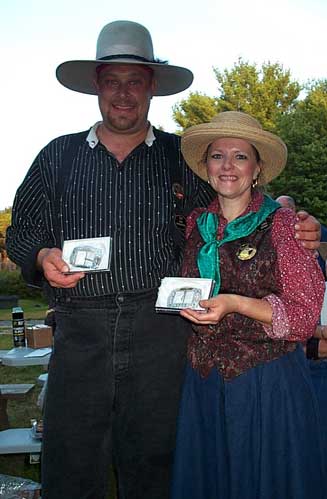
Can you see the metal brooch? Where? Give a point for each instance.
(246, 252)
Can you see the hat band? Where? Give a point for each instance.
(124, 56)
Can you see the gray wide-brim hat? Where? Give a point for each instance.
(234, 124)
(124, 42)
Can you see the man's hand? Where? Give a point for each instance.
(307, 230)
(50, 261)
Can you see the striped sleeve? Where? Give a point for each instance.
(28, 231)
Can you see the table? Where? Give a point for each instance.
(11, 392)
(18, 441)
(16, 357)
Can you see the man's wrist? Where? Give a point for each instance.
(40, 257)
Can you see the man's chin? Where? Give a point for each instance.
(122, 125)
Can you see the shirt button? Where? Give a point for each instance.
(120, 299)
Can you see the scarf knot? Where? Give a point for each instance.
(208, 256)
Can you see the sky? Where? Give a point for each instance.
(37, 35)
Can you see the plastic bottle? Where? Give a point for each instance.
(18, 327)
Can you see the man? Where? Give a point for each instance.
(117, 366)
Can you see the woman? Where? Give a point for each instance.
(249, 425)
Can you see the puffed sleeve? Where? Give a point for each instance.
(296, 308)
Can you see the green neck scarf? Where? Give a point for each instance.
(208, 256)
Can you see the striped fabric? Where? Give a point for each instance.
(130, 201)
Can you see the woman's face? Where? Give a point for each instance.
(232, 166)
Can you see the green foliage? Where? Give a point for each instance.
(266, 93)
(198, 108)
(12, 283)
(5, 218)
(305, 132)
(269, 94)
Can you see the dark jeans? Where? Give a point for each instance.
(113, 392)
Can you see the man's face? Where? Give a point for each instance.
(124, 93)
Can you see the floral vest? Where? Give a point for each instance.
(237, 343)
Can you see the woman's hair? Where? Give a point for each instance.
(256, 153)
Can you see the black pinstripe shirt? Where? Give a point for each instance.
(130, 201)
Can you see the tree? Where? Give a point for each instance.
(198, 108)
(304, 130)
(5, 217)
(266, 93)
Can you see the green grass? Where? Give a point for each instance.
(33, 309)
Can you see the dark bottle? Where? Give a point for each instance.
(18, 327)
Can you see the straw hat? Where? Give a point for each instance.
(123, 42)
(234, 124)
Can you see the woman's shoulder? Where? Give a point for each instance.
(283, 234)
(284, 219)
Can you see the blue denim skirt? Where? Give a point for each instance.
(258, 436)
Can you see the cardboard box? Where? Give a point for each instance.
(39, 336)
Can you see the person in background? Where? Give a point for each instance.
(248, 425)
(116, 370)
(287, 202)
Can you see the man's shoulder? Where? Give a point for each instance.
(161, 135)
(68, 138)
(62, 146)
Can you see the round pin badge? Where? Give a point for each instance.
(246, 252)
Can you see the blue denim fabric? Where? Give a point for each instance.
(257, 436)
(113, 393)
(318, 369)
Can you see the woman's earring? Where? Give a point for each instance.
(254, 182)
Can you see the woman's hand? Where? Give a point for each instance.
(223, 304)
(216, 309)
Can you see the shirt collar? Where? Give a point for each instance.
(93, 140)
